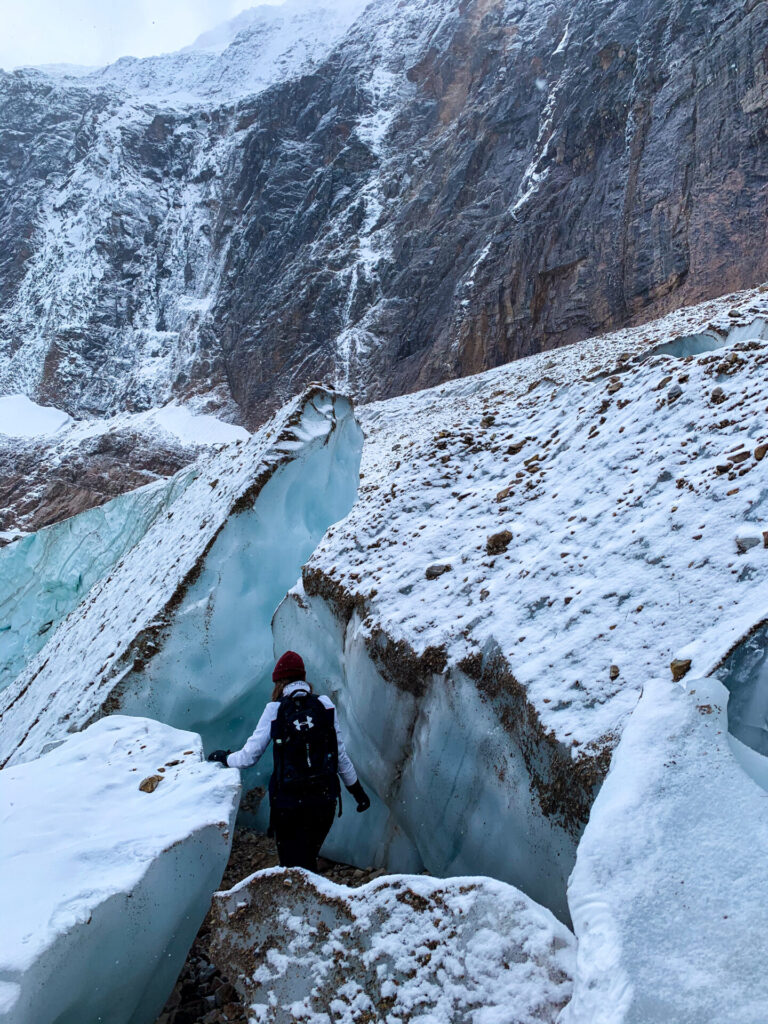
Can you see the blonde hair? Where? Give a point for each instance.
(280, 685)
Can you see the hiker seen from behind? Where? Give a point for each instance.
(309, 757)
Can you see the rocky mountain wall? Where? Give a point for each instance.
(453, 186)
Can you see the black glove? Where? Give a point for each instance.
(357, 791)
(219, 756)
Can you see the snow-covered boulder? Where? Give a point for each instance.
(587, 524)
(179, 629)
(105, 881)
(669, 895)
(401, 948)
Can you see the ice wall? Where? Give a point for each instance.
(221, 642)
(669, 895)
(745, 674)
(103, 884)
(45, 575)
(180, 628)
(452, 790)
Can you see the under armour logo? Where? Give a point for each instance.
(300, 724)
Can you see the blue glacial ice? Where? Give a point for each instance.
(45, 575)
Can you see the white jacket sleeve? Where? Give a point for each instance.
(346, 768)
(258, 742)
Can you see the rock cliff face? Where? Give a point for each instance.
(443, 189)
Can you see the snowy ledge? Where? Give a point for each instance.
(583, 517)
(530, 546)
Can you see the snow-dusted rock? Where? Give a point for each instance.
(669, 895)
(53, 467)
(103, 886)
(586, 525)
(180, 626)
(381, 206)
(401, 948)
(263, 45)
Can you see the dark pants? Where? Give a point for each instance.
(300, 832)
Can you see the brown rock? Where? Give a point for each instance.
(680, 667)
(717, 396)
(150, 784)
(498, 542)
(614, 671)
(433, 572)
(761, 451)
(739, 457)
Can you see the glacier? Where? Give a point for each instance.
(400, 948)
(528, 548)
(491, 593)
(103, 885)
(179, 629)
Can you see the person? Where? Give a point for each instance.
(309, 756)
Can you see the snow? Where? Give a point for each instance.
(195, 428)
(668, 895)
(622, 546)
(21, 417)
(237, 59)
(180, 626)
(103, 886)
(401, 948)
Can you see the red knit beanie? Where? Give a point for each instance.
(289, 666)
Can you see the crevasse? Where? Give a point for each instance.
(180, 627)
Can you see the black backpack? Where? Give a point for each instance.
(306, 753)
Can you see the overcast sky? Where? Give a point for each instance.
(96, 32)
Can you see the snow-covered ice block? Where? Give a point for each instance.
(669, 896)
(528, 547)
(103, 885)
(401, 948)
(180, 627)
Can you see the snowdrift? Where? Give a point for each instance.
(180, 627)
(104, 880)
(400, 948)
(528, 548)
